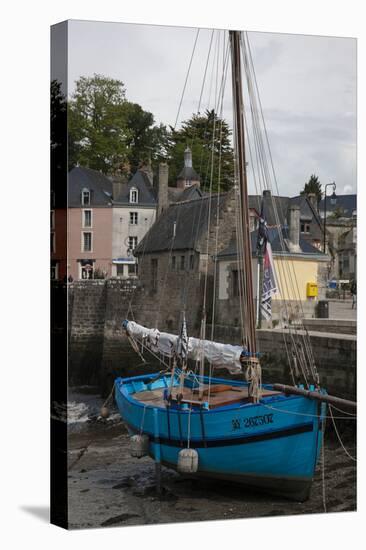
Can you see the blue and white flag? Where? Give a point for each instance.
(264, 248)
(182, 347)
(269, 283)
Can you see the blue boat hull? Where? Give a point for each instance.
(272, 445)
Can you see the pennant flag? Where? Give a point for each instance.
(182, 347)
(269, 277)
(269, 283)
(262, 237)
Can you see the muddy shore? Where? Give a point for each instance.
(109, 488)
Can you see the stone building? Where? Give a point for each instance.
(176, 265)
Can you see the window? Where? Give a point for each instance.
(188, 183)
(87, 242)
(87, 218)
(132, 243)
(182, 262)
(235, 283)
(305, 228)
(52, 219)
(133, 195)
(53, 242)
(133, 218)
(154, 275)
(120, 270)
(87, 271)
(174, 263)
(191, 261)
(132, 269)
(85, 197)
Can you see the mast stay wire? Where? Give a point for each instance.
(261, 159)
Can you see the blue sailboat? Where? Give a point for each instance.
(234, 430)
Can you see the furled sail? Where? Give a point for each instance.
(219, 355)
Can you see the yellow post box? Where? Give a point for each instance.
(311, 290)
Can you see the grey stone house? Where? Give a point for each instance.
(176, 254)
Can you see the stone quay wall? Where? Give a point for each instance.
(98, 351)
(335, 357)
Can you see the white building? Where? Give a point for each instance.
(134, 212)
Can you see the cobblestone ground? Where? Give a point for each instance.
(342, 309)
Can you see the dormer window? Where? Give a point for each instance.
(85, 197)
(133, 195)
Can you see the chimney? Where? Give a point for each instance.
(313, 200)
(294, 228)
(147, 168)
(117, 185)
(163, 201)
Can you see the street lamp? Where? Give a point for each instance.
(333, 200)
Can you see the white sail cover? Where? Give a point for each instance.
(219, 355)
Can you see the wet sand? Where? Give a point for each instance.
(109, 488)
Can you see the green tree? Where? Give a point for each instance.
(146, 141)
(109, 133)
(58, 142)
(313, 186)
(204, 134)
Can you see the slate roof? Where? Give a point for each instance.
(190, 219)
(282, 204)
(189, 193)
(346, 202)
(99, 185)
(309, 214)
(147, 195)
(305, 246)
(188, 173)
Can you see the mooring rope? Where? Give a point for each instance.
(339, 437)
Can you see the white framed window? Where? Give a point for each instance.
(134, 218)
(87, 218)
(86, 241)
(132, 243)
(86, 271)
(134, 195)
(85, 197)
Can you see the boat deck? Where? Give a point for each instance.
(216, 395)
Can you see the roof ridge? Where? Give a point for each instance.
(203, 197)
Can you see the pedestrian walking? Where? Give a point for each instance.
(354, 294)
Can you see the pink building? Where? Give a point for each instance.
(89, 224)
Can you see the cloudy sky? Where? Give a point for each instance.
(307, 87)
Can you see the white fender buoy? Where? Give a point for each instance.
(139, 445)
(187, 461)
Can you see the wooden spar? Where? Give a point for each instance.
(332, 400)
(241, 173)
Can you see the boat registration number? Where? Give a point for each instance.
(252, 421)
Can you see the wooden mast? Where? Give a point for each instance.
(241, 174)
